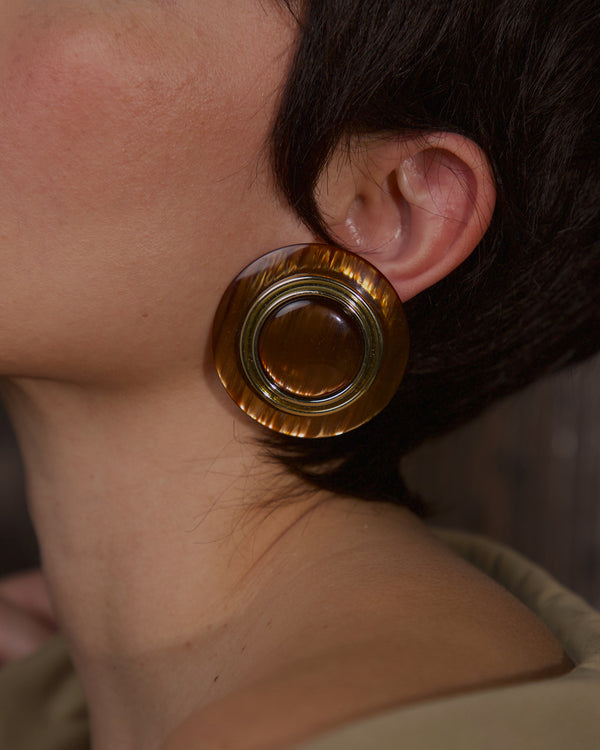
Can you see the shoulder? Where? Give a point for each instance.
(318, 694)
(300, 700)
(382, 646)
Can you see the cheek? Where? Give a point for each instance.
(88, 128)
(84, 158)
(118, 125)
(114, 155)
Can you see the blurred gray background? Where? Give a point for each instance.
(526, 473)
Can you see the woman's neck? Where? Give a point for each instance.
(144, 501)
(177, 592)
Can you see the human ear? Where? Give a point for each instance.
(414, 207)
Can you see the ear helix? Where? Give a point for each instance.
(310, 340)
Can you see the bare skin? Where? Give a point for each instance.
(176, 598)
(375, 627)
(171, 613)
(134, 188)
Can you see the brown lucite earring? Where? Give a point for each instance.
(310, 340)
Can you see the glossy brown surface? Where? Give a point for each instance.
(316, 369)
(311, 348)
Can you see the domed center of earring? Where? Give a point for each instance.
(311, 347)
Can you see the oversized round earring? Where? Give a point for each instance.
(310, 340)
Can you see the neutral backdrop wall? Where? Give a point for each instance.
(528, 474)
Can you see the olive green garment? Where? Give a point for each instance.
(42, 707)
(41, 703)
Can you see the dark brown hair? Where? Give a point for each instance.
(521, 79)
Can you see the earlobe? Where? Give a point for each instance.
(415, 208)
